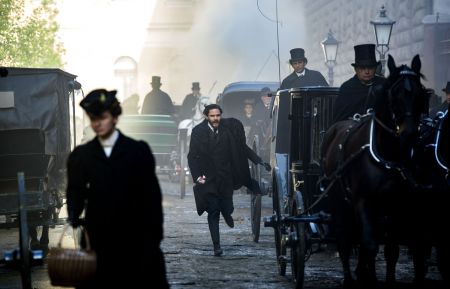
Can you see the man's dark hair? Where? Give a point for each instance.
(211, 106)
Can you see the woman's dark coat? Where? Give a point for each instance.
(123, 214)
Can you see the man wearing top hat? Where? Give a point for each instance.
(302, 76)
(111, 178)
(443, 106)
(157, 101)
(353, 94)
(187, 109)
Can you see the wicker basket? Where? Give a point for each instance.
(68, 267)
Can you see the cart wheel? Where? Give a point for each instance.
(256, 199)
(256, 216)
(280, 248)
(182, 171)
(298, 251)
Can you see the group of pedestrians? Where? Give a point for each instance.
(112, 175)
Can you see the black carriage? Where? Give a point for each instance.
(232, 100)
(300, 117)
(35, 142)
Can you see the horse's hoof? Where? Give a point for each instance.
(347, 284)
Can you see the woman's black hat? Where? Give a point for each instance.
(99, 101)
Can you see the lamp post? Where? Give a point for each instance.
(330, 47)
(382, 26)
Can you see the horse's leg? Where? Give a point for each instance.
(443, 259)
(343, 222)
(391, 249)
(366, 271)
(34, 242)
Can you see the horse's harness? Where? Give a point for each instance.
(336, 175)
(436, 125)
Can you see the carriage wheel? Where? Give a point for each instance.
(280, 248)
(256, 216)
(182, 171)
(298, 250)
(182, 141)
(255, 203)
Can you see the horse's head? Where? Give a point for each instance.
(406, 99)
(202, 102)
(200, 106)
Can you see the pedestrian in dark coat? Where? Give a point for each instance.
(218, 161)
(187, 109)
(354, 94)
(157, 101)
(301, 76)
(112, 179)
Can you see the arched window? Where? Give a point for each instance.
(125, 71)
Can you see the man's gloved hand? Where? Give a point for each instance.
(266, 166)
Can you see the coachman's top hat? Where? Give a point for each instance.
(156, 80)
(365, 55)
(265, 91)
(99, 101)
(447, 88)
(297, 54)
(195, 85)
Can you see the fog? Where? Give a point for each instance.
(236, 40)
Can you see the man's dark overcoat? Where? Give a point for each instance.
(123, 211)
(311, 78)
(354, 98)
(188, 106)
(157, 102)
(199, 156)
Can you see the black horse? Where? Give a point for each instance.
(367, 161)
(432, 159)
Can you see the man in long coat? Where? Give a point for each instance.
(301, 76)
(157, 101)
(187, 109)
(353, 94)
(112, 179)
(218, 163)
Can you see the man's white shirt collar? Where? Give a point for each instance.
(301, 73)
(211, 127)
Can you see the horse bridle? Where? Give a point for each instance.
(404, 73)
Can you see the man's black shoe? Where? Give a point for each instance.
(218, 252)
(229, 220)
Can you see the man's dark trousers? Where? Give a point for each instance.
(220, 200)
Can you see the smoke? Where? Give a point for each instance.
(233, 41)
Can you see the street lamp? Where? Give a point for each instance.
(330, 48)
(382, 26)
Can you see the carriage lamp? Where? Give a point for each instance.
(330, 48)
(382, 26)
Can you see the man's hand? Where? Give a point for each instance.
(201, 180)
(266, 166)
